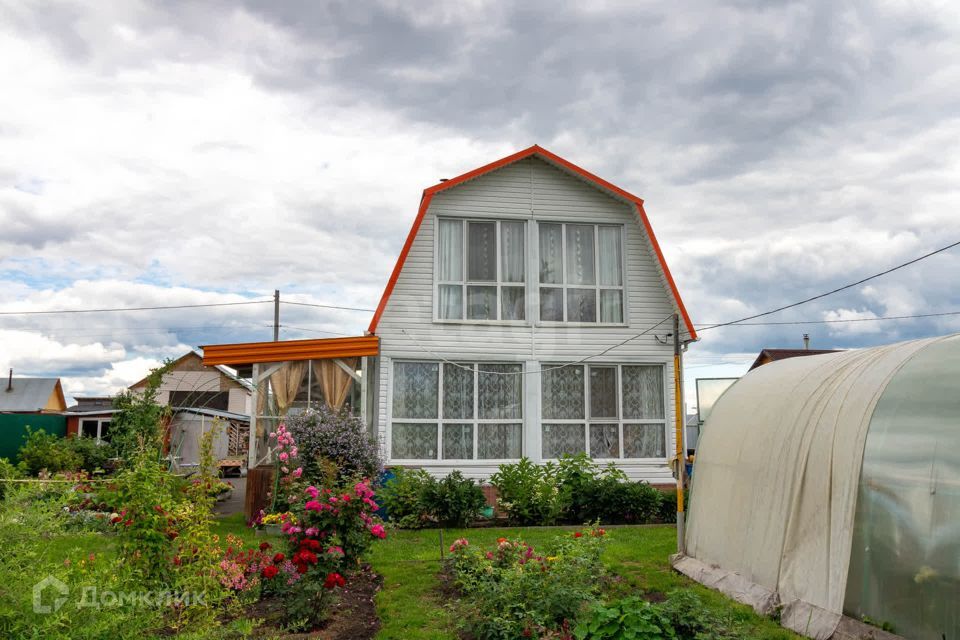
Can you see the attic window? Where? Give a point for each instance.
(581, 273)
(480, 270)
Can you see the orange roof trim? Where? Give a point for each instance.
(556, 160)
(319, 349)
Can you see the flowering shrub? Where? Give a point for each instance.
(327, 533)
(514, 590)
(287, 471)
(325, 436)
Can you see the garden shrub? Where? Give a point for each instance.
(140, 422)
(44, 451)
(404, 497)
(323, 435)
(94, 456)
(514, 591)
(530, 493)
(454, 501)
(331, 530)
(611, 500)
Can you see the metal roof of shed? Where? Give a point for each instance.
(28, 394)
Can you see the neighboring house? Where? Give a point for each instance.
(29, 402)
(529, 314)
(771, 355)
(201, 396)
(90, 417)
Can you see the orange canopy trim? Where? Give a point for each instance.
(319, 349)
(557, 161)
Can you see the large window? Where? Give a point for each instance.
(605, 411)
(480, 270)
(462, 411)
(581, 273)
(96, 428)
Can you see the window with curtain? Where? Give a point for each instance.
(457, 411)
(481, 270)
(581, 273)
(608, 411)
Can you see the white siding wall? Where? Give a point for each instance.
(531, 190)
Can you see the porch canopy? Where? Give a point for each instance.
(296, 373)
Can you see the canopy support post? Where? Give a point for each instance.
(679, 420)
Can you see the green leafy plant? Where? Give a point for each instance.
(43, 451)
(140, 423)
(7, 472)
(530, 493)
(514, 590)
(404, 497)
(454, 501)
(628, 619)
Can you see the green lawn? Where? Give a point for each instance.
(411, 607)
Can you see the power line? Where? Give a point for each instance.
(114, 309)
(334, 333)
(326, 306)
(837, 290)
(789, 322)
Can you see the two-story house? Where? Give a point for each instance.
(530, 313)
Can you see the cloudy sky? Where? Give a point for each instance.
(163, 153)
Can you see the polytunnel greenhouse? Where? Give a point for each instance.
(828, 488)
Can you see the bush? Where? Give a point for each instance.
(611, 500)
(332, 531)
(455, 501)
(93, 456)
(325, 436)
(44, 451)
(404, 497)
(530, 493)
(514, 591)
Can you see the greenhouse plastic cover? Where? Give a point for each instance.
(775, 486)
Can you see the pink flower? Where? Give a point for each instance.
(312, 532)
(293, 451)
(297, 472)
(378, 531)
(458, 544)
(273, 434)
(284, 456)
(312, 505)
(312, 491)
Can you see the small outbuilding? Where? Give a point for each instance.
(829, 487)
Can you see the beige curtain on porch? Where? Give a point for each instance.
(286, 383)
(334, 381)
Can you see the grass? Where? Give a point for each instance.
(410, 605)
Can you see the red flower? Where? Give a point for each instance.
(277, 559)
(578, 535)
(115, 519)
(334, 580)
(264, 546)
(301, 568)
(270, 571)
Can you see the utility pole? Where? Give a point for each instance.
(276, 315)
(678, 414)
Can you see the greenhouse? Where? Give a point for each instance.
(828, 488)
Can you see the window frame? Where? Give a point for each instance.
(596, 287)
(476, 421)
(100, 422)
(465, 282)
(618, 420)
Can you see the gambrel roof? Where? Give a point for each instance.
(562, 164)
